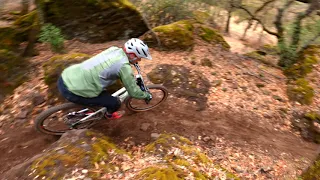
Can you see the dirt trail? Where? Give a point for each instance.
(236, 121)
(255, 37)
(23, 142)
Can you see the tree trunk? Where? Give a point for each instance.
(246, 30)
(228, 21)
(25, 7)
(32, 39)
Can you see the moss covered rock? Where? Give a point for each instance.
(309, 126)
(300, 90)
(182, 82)
(212, 36)
(94, 21)
(25, 23)
(313, 172)
(300, 69)
(182, 158)
(8, 38)
(13, 71)
(12, 36)
(84, 154)
(175, 36)
(181, 35)
(202, 17)
(54, 67)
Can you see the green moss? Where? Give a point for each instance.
(312, 116)
(73, 154)
(300, 90)
(313, 172)
(181, 162)
(201, 16)
(202, 158)
(210, 35)
(13, 71)
(8, 38)
(301, 69)
(305, 65)
(25, 23)
(269, 49)
(175, 36)
(101, 147)
(26, 20)
(71, 157)
(157, 173)
(198, 175)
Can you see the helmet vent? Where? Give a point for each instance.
(144, 53)
(138, 51)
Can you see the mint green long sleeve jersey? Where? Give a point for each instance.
(89, 78)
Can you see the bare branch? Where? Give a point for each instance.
(253, 17)
(309, 42)
(263, 6)
(255, 13)
(278, 22)
(297, 29)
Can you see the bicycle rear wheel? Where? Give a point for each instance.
(58, 119)
(159, 95)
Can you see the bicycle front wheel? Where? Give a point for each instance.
(159, 95)
(58, 119)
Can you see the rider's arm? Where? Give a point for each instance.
(129, 82)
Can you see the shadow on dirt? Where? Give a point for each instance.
(182, 82)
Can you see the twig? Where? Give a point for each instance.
(152, 32)
(309, 42)
(253, 17)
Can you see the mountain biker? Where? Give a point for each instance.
(84, 83)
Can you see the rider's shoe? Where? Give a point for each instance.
(115, 115)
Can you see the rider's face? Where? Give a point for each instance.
(133, 58)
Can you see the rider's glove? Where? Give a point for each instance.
(148, 98)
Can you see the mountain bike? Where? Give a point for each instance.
(61, 118)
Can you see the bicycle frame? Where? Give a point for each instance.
(121, 93)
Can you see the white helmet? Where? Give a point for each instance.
(138, 47)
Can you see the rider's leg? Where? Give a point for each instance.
(104, 99)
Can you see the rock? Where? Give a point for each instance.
(23, 114)
(155, 135)
(238, 169)
(95, 21)
(206, 139)
(192, 138)
(234, 85)
(181, 35)
(38, 99)
(240, 104)
(145, 126)
(267, 115)
(216, 83)
(171, 156)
